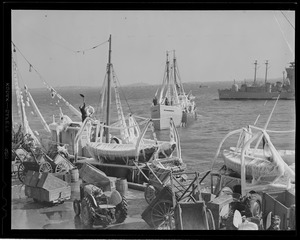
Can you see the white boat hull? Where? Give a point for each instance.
(161, 115)
(256, 167)
(288, 156)
(120, 153)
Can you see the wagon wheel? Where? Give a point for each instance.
(210, 220)
(150, 193)
(61, 167)
(162, 215)
(21, 172)
(45, 167)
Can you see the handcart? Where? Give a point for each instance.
(176, 190)
(41, 162)
(159, 175)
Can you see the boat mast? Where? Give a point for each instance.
(108, 91)
(266, 71)
(283, 73)
(255, 64)
(168, 94)
(174, 66)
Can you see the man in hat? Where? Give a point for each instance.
(83, 112)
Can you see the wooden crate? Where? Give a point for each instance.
(35, 179)
(63, 176)
(280, 203)
(28, 177)
(90, 174)
(216, 204)
(54, 195)
(32, 192)
(28, 191)
(50, 182)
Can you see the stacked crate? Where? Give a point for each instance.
(45, 187)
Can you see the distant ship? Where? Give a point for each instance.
(266, 91)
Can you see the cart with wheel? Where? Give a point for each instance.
(159, 175)
(42, 163)
(160, 212)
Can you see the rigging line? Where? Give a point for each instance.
(30, 65)
(122, 91)
(41, 78)
(288, 20)
(284, 35)
(88, 49)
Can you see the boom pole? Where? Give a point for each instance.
(108, 91)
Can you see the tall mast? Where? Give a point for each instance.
(255, 64)
(108, 91)
(168, 94)
(174, 66)
(283, 73)
(266, 71)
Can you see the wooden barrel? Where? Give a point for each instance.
(74, 175)
(122, 186)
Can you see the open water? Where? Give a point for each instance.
(200, 140)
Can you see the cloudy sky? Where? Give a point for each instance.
(209, 45)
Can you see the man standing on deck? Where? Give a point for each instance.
(83, 109)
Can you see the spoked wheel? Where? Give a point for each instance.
(210, 220)
(45, 167)
(150, 193)
(61, 167)
(162, 215)
(76, 207)
(21, 172)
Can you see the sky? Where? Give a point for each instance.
(209, 45)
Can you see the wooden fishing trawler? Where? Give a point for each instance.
(172, 100)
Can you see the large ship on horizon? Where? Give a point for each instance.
(266, 91)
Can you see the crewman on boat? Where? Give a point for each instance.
(166, 101)
(83, 112)
(184, 118)
(155, 101)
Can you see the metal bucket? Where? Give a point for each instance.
(74, 175)
(122, 186)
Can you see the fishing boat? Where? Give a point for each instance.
(118, 143)
(131, 143)
(261, 165)
(172, 100)
(266, 91)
